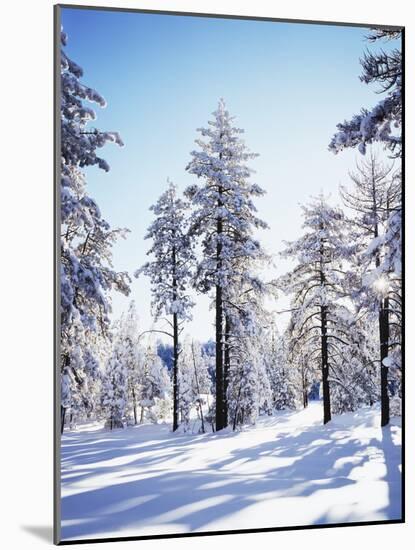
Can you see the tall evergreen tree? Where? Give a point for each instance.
(170, 271)
(281, 372)
(382, 124)
(194, 382)
(246, 322)
(249, 390)
(131, 355)
(224, 216)
(375, 193)
(87, 275)
(154, 382)
(302, 356)
(316, 286)
(114, 391)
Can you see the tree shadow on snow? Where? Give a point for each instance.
(393, 475)
(186, 500)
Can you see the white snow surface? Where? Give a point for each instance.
(288, 470)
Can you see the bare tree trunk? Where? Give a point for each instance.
(175, 349)
(305, 394)
(324, 347)
(198, 389)
(63, 412)
(325, 366)
(384, 350)
(134, 405)
(220, 421)
(226, 368)
(175, 373)
(304, 385)
(383, 337)
(220, 412)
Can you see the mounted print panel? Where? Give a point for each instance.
(229, 274)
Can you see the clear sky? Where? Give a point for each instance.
(288, 84)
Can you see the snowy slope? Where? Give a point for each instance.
(288, 470)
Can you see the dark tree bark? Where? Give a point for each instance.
(175, 373)
(305, 399)
(384, 350)
(304, 384)
(383, 338)
(220, 412)
(63, 412)
(324, 347)
(134, 405)
(374, 197)
(325, 367)
(226, 368)
(175, 352)
(220, 420)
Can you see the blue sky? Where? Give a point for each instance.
(288, 84)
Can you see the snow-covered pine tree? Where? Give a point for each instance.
(243, 404)
(83, 358)
(87, 274)
(249, 390)
(202, 380)
(376, 191)
(194, 382)
(306, 376)
(246, 320)
(316, 286)
(382, 124)
(170, 271)
(353, 374)
(131, 355)
(280, 372)
(224, 216)
(115, 391)
(387, 282)
(186, 396)
(66, 396)
(302, 358)
(154, 383)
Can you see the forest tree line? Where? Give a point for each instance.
(345, 287)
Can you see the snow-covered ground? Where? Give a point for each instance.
(288, 470)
